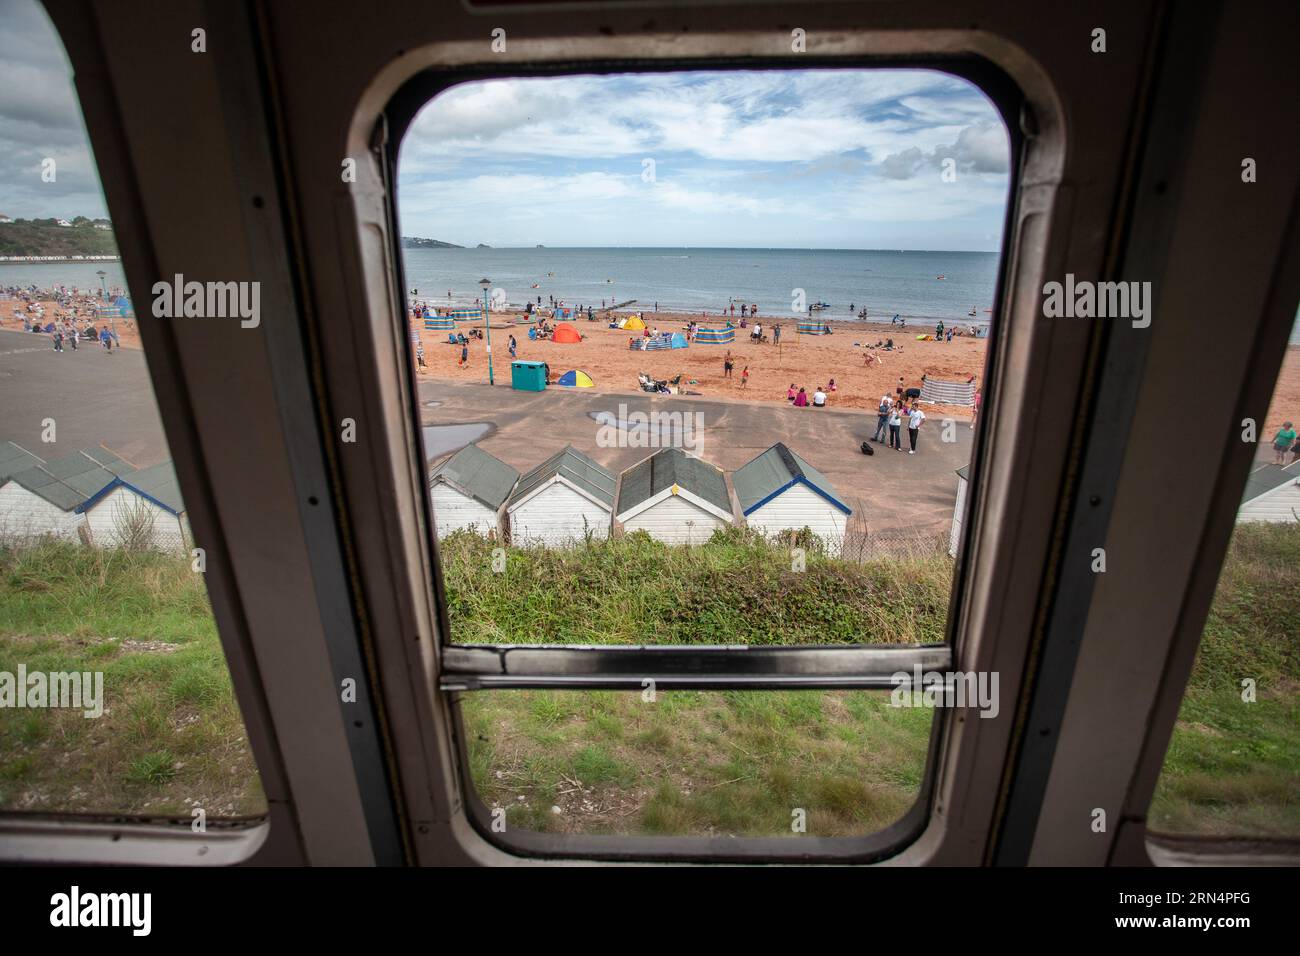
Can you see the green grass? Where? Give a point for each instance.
(171, 737)
(735, 763)
(1233, 767)
(737, 589)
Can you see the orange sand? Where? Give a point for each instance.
(805, 360)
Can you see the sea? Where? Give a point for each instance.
(884, 282)
(914, 285)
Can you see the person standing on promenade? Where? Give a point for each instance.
(882, 419)
(895, 422)
(914, 421)
(1282, 443)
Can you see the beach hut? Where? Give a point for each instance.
(958, 510)
(813, 327)
(566, 334)
(576, 379)
(561, 501)
(43, 500)
(948, 393)
(633, 323)
(675, 498)
(469, 490)
(140, 508)
(779, 491)
(15, 458)
(715, 336)
(1272, 494)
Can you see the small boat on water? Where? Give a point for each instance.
(940, 277)
(819, 306)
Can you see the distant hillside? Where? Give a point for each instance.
(44, 237)
(414, 242)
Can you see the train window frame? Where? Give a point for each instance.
(1055, 217)
(485, 668)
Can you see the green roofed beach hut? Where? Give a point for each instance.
(675, 498)
(469, 490)
(561, 501)
(779, 491)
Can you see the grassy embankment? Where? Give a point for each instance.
(731, 763)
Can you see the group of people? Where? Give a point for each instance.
(799, 398)
(756, 333)
(891, 414)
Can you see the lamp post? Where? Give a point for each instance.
(487, 322)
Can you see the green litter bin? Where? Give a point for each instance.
(528, 376)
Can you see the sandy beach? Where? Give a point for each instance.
(804, 360)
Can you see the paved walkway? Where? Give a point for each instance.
(889, 491)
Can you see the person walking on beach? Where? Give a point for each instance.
(776, 334)
(895, 422)
(882, 419)
(464, 355)
(106, 340)
(513, 346)
(914, 421)
(744, 377)
(727, 365)
(1282, 443)
(419, 355)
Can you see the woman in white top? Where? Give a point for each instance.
(914, 421)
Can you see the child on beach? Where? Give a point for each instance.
(464, 355)
(513, 346)
(744, 377)
(790, 393)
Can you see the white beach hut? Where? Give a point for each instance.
(1272, 494)
(43, 500)
(469, 490)
(139, 509)
(779, 491)
(562, 500)
(675, 498)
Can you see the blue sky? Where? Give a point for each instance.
(806, 159)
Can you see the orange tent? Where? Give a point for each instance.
(566, 334)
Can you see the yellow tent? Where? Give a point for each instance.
(634, 323)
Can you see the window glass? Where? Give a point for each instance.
(1233, 764)
(653, 320)
(115, 697)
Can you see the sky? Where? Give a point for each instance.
(40, 118)
(802, 159)
(806, 159)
